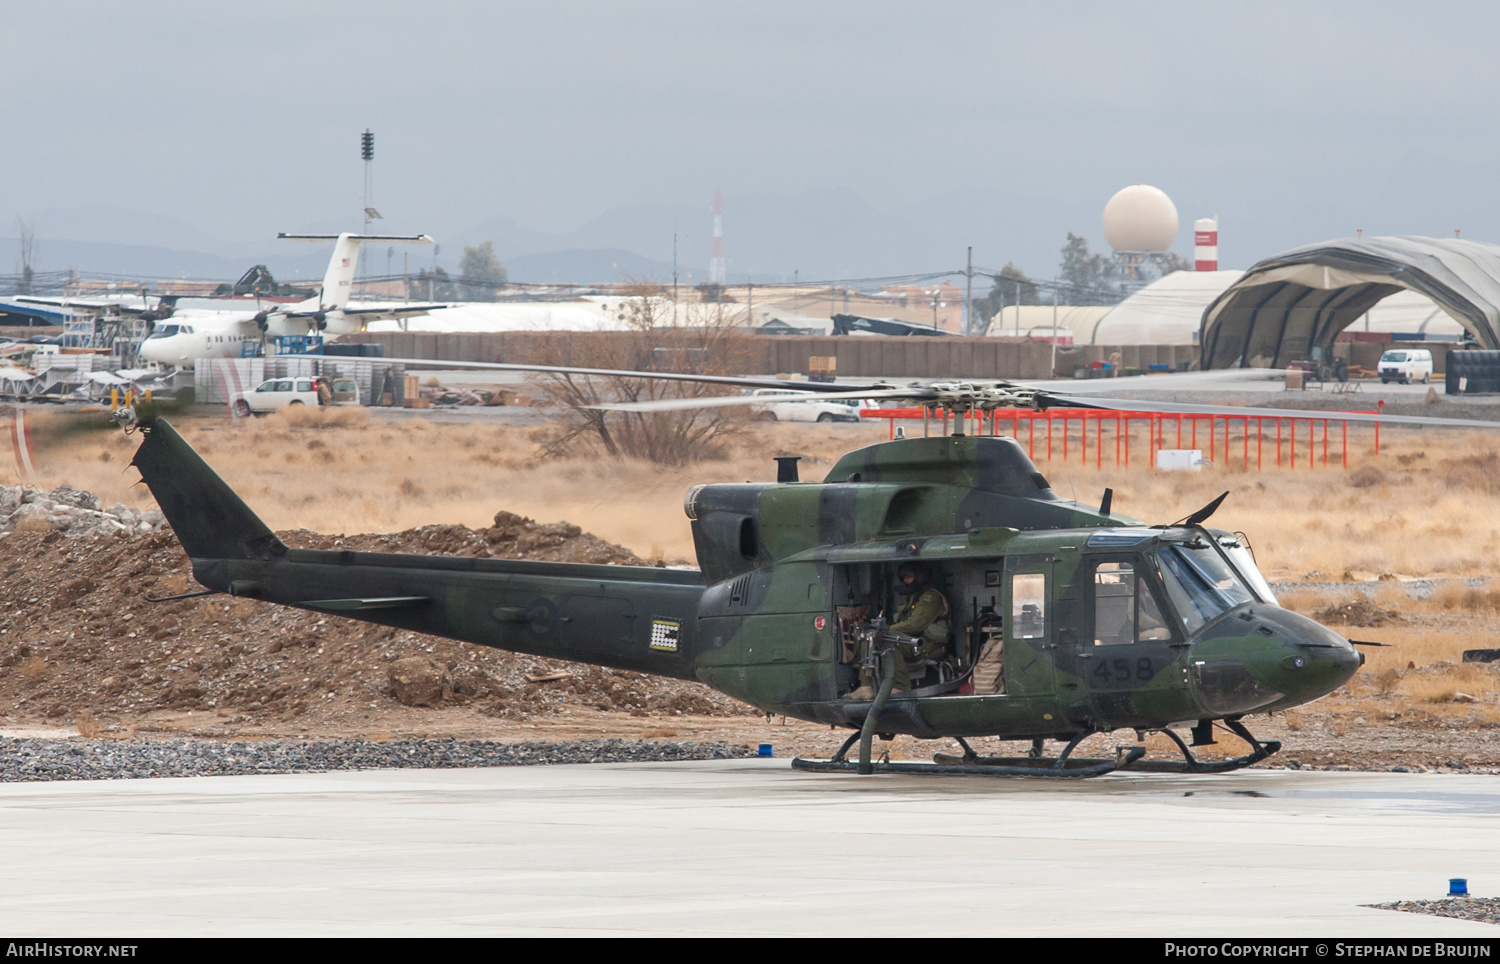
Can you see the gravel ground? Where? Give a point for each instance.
(1486, 909)
(36, 759)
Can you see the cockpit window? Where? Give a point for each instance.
(1200, 583)
(1125, 611)
(165, 331)
(1244, 563)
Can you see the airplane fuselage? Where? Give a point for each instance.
(187, 336)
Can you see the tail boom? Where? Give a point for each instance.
(627, 617)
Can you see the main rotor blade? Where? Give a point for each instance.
(728, 401)
(1166, 382)
(819, 387)
(1175, 408)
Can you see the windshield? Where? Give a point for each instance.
(1201, 585)
(1394, 356)
(1244, 563)
(166, 331)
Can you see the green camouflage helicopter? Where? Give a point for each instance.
(1063, 619)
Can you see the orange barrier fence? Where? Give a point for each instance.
(1056, 424)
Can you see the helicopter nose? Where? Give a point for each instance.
(1311, 660)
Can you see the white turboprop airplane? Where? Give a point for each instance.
(188, 334)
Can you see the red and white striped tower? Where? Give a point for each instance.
(716, 261)
(1206, 244)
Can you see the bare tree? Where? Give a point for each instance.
(708, 344)
(28, 255)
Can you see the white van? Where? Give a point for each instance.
(1406, 365)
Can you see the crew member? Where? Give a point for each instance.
(923, 616)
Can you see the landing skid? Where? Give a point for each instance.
(972, 765)
(1063, 766)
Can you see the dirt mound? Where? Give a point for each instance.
(511, 537)
(1361, 610)
(79, 639)
(70, 510)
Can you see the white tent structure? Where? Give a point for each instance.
(1165, 312)
(1035, 321)
(474, 317)
(1409, 312)
(592, 313)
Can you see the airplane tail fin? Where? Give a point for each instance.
(339, 279)
(207, 517)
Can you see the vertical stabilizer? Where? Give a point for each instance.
(339, 279)
(207, 517)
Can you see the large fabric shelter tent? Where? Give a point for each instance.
(1165, 312)
(1286, 306)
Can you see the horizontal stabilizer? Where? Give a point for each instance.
(377, 602)
(408, 238)
(395, 309)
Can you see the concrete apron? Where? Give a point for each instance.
(744, 847)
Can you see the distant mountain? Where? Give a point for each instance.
(819, 235)
(101, 239)
(106, 224)
(148, 261)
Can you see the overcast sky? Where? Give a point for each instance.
(998, 125)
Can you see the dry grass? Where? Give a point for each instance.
(340, 470)
(306, 416)
(1455, 597)
(1423, 667)
(87, 727)
(1429, 505)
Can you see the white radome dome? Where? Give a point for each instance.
(1140, 218)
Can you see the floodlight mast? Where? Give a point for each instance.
(367, 154)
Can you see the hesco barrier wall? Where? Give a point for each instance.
(960, 358)
(1472, 372)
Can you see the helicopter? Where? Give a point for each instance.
(1064, 619)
